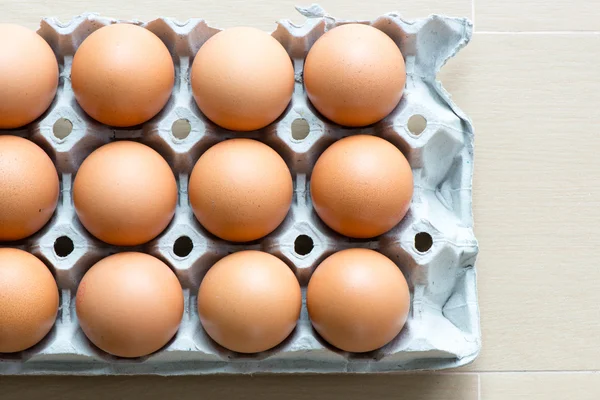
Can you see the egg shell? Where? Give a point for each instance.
(28, 76)
(122, 75)
(29, 188)
(125, 193)
(242, 79)
(354, 75)
(240, 190)
(361, 186)
(358, 300)
(28, 300)
(129, 304)
(249, 301)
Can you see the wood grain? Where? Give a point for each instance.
(537, 15)
(534, 101)
(300, 387)
(257, 13)
(536, 386)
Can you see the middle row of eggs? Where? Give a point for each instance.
(240, 190)
(242, 79)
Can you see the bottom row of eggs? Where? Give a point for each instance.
(131, 304)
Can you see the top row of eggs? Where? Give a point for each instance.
(242, 79)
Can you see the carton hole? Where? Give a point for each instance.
(303, 245)
(63, 246)
(300, 129)
(183, 246)
(417, 124)
(62, 128)
(423, 242)
(181, 128)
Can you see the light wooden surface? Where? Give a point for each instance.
(529, 80)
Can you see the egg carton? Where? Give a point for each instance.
(434, 245)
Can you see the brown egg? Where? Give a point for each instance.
(358, 300)
(129, 304)
(361, 186)
(122, 75)
(240, 190)
(125, 193)
(29, 188)
(354, 75)
(28, 300)
(28, 76)
(249, 301)
(242, 79)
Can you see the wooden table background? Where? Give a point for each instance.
(530, 82)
